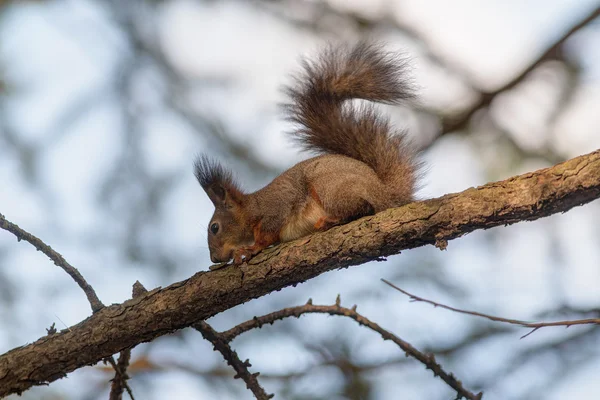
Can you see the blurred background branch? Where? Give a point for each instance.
(103, 105)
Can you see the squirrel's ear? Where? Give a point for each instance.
(216, 193)
(222, 196)
(217, 182)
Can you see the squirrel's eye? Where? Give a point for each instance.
(214, 228)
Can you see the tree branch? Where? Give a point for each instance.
(240, 367)
(426, 359)
(95, 302)
(534, 325)
(526, 197)
(119, 382)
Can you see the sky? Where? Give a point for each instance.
(62, 59)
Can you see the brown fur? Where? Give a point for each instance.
(365, 165)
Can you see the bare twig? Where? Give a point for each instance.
(119, 382)
(95, 302)
(426, 359)
(534, 325)
(573, 351)
(240, 367)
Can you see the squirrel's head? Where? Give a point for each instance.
(228, 229)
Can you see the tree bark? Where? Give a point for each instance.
(164, 310)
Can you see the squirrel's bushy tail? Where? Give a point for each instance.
(329, 125)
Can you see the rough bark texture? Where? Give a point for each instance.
(161, 311)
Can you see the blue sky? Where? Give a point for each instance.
(61, 58)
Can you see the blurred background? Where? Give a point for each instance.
(105, 103)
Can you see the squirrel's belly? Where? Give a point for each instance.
(303, 222)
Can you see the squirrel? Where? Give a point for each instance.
(364, 165)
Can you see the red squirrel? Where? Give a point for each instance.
(364, 165)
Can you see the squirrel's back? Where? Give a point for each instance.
(330, 125)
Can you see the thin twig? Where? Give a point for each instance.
(426, 359)
(119, 382)
(95, 302)
(240, 367)
(534, 325)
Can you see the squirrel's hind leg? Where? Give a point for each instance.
(350, 206)
(326, 222)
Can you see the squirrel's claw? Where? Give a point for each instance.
(242, 255)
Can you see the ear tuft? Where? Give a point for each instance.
(216, 180)
(209, 171)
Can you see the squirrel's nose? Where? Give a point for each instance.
(214, 259)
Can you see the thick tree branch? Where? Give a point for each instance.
(59, 260)
(526, 197)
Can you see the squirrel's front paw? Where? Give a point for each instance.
(242, 255)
